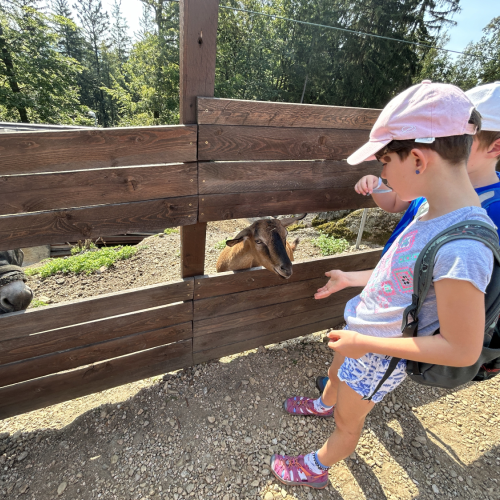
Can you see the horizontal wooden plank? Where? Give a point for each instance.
(39, 393)
(235, 302)
(40, 366)
(306, 307)
(41, 228)
(34, 192)
(213, 111)
(258, 204)
(272, 338)
(251, 279)
(24, 323)
(247, 176)
(92, 332)
(55, 151)
(216, 142)
(259, 328)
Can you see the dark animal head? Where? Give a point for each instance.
(266, 239)
(15, 295)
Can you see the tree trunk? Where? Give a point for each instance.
(11, 77)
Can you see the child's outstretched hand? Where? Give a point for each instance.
(338, 281)
(347, 343)
(366, 184)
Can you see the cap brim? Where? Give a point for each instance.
(366, 152)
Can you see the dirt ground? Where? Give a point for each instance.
(208, 432)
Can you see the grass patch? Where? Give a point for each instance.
(220, 245)
(171, 230)
(38, 303)
(329, 245)
(86, 262)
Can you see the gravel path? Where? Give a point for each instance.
(208, 432)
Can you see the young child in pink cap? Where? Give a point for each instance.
(423, 138)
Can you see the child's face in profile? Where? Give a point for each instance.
(400, 174)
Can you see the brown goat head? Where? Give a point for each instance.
(261, 244)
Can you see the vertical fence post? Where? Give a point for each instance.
(198, 48)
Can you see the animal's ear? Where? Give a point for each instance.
(291, 220)
(19, 257)
(242, 235)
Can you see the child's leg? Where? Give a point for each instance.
(329, 395)
(350, 414)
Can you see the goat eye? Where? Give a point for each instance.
(258, 242)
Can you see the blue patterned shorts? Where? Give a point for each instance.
(364, 374)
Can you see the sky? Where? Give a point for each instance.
(475, 15)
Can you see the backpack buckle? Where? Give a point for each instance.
(408, 328)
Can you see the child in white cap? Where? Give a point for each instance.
(423, 138)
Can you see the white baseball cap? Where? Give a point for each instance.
(486, 99)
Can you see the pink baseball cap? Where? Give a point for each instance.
(422, 112)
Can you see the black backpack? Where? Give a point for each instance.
(488, 364)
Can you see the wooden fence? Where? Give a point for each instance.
(229, 159)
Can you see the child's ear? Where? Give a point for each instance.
(494, 149)
(420, 159)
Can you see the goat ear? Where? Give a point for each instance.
(291, 220)
(242, 235)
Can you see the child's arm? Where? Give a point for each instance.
(390, 202)
(461, 314)
(340, 280)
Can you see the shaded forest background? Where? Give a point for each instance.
(88, 69)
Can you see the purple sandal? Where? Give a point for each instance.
(294, 472)
(299, 405)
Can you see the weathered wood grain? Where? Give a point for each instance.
(41, 228)
(252, 299)
(251, 279)
(193, 239)
(228, 349)
(24, 323)
(306, 307)
(34, 192)
(198, 21)
(218, 142)
(55, 151)
(258, 204)
(40, 366)
(248, 176)
(71, 337)
(259, 328)
(212, 111)
(38, 393)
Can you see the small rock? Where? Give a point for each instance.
(245, 382)
(352, 456)
(189, 488)
(211, 419)
(104, 414)
(268, 496)
(398, 439)
(102, 269)
(397, 406)
(255, 483)
(421, 439)
(4, 435)
(114, 459)
(22, 456)
(416, 444)
(252, 381)
(387, 409)
(248, 440)
(227, 399)
(310, 372)
(61, 488)
(44, 298)
(435, 489)
(60, 281)
(453, 473)
(16, 435)
(23, 488)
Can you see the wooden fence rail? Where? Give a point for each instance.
(60, 352)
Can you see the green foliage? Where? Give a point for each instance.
(329, 245)
(296, 227)
(220, 245)
(38, 303)
(37, 80)
(87, 262)
(171, 230)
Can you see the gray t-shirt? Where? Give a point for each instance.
(378, 310)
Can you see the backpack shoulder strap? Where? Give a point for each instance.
(424, 266)
(489, 197)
